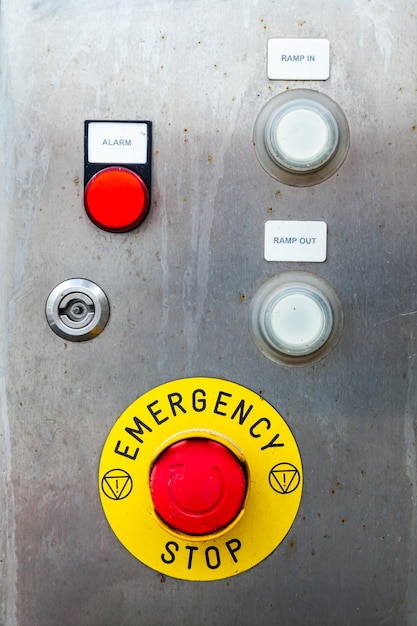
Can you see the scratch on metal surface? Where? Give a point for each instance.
(8, 566)
(410, 425)
(394, 317)
(196, 273)
(247, 8)
(162, 355)
(25, 167)
(406, 314)
(66, 9)
(376, 16)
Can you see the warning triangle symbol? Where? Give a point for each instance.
(117, 484)
(285, 479)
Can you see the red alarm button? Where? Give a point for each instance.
(198, 486)
(116, 199)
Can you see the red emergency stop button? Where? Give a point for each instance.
(198, 486)
(116, 199)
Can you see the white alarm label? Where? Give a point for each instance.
(117, 142)
(295, 241)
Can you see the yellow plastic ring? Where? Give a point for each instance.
(225, 412)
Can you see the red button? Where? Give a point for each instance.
(116, 199)
(198, 486)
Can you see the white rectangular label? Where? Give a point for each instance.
(295, 241)
(117, 142)
(298, 59)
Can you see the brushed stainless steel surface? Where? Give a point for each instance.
(180, 287)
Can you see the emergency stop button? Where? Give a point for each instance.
(198, 486)
(200, 478)
(117, 173)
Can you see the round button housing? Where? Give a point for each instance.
(198, 486)
(77, 309)
(116, 199)
(301, 137)
(296, 318)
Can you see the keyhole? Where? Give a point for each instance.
(77, 310)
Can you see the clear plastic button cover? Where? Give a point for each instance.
(302, 136)
(296, 318)
(282, 150)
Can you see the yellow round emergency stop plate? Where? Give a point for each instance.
(224, 412)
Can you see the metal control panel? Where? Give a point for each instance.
(208, 415)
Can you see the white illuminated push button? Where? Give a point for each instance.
(296, 318)
(302, 136)
(298, 321)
